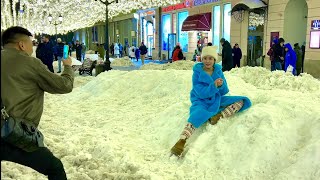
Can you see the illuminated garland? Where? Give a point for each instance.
(76, 14)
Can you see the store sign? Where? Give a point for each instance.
(315, 24)
(202, 2)
(185, 4)
(148, 13)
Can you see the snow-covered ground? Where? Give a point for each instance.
(121, 125)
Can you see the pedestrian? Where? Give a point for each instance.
(101, 51)
(137, 53)
(290, 59)
(22, 94)
(83, 51)
(70, 49)
(45, 52)
(132, 50)
(278, 54)
(143, 51)
(177, 54)
(237, 55)
(78, 48)
(112, 49)
(208, 97)
(298, 52)
(271, 54)
(116, 50)
(121, 50)
(303, 49)
(227, 60)
(59, 53)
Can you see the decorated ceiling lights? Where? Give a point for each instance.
(76, 14)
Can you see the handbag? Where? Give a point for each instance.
(20, 133)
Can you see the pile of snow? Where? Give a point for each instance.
(125, 61)
(90, 52)
(121, 125)
(177, 65)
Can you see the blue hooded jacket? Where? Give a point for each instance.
(207, 99)
(290, 58)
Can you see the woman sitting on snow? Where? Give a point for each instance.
(208, 99)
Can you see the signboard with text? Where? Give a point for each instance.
(185, 4)
(202, 2)
(315, 24)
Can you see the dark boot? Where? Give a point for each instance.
(177, 149)
(214, 119)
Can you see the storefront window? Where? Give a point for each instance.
(166, 30)
(226, 21)
(216, 26)
(182, 35)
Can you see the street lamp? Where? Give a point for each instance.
(60, 19)
(107, 62)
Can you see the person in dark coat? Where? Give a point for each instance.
(112, 49)
(237, 55)
(137, 53)
(45, 53)
(59, 53)
(227, 60)
(298, 52)
(143, 51)
(271, 54)
(78, 48)
(303, 49)
(278, 53)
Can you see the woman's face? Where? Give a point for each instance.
(208, 61)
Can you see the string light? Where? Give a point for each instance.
(77, 14)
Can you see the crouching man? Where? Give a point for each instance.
(24, 79)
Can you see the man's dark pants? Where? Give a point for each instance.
(41, 160)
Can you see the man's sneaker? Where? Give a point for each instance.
(178, 148)
(214, 119)
(59, 72)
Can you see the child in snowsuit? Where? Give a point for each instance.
(207, 96)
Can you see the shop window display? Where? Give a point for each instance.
(166, 30)
(216, 26)
(226, 21)
(182, 35)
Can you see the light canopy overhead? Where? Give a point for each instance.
(76, 14)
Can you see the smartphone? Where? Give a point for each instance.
(65, 52)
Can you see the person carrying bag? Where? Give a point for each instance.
(19, 133)
(24, 81)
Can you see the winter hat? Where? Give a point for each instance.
(210, 51)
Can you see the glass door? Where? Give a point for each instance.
(150, 45)
(171, 44)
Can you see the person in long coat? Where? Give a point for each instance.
(208, 97)
(116, 50)
(237, 55)
(227, 60)
(298, 52)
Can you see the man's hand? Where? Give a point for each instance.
(67, 62)
(282, 58)
(218, 82)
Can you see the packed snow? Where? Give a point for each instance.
(122, 124)
(178, 65)
(125, 61)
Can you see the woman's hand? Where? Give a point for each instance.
(218, 82)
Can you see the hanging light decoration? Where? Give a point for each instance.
(77, 14)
